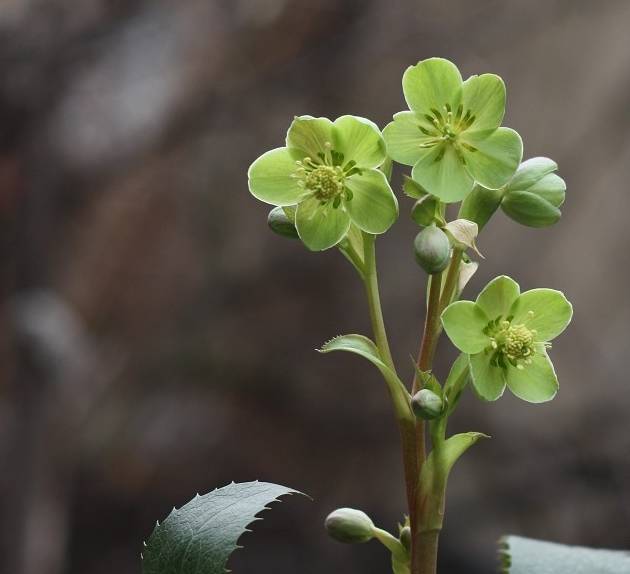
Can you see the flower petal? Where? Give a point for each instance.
(373, 207)
(464, 322)
(534, 383)
(551, 312)
(320, 226)
(431, 84)
(495, 157)
(360, 140)
(443, 177)
(484, 96)
(270, 178)
(498, 296)
(404, 138)
(309, 135)
(488, 380)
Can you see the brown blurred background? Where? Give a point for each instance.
(157, 340)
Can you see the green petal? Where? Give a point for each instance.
(488, 380)
(551, 188)
(404, 138)
(498, 296)
(530, 209)
(464, 323)
(445, 177)
(551, 312)
(531, 171)
(431, 84)
(484, 96)
(309, 136)
(373, 207)
(495, 159)
(320, 226)
(360, 140)
(270, 178)
(536, 382)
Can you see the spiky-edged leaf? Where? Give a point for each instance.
(199, 537)
(526, 556)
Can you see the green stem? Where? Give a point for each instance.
(431, 329)
(452, 277)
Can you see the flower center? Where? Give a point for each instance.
(325, 182)
(445, 126)
(510, 343)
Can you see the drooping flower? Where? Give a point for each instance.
(451, 134)
(328, 171)
(506, 335)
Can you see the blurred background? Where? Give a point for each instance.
(157, 340)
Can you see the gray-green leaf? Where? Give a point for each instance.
(525, 556)
(199, 537)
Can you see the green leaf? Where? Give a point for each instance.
(309, 136)
(440, 171)
(431, 84)
(413, 189)
(426, 211)
(496, 156)
(373, 207)
(270, 178)
(488, 380)
(480, 205)
(366, 348)
(498, 296)
(531, 171)
(464, 322)
(530, 209)
(451, 450)
(520, 555)
(404, 138)
(360, 140)
(551, 310)
(536, 382)
(484, 96)
(456, 382)
(200, 537)
(320, 226)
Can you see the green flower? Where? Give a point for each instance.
(328, 170)
(506, 335)
(451, 136)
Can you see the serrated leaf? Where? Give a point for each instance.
(361, 345)
(413, 189)
(199, 537)
(526, 556)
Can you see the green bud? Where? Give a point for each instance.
(432, 249)
(427, 405)
(349, 526)
(405, 538)
(280, 224)
(480, 204)
(534, 195)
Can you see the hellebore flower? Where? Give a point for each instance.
(328, 171)
(506, 335)
(451, 135)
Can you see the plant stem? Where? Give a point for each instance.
(431, 328)
(452, 276)
(406, 425)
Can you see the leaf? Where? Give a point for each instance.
(200, 537)
(452, 449)
(463, 234)
(458, 378)
(467, 270)
(526, 556)
(366, 348)
(413, 189)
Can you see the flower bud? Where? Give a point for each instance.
(427, 405)
(432, 249)
(280, 224)
(480, 204)
(349, 526)
(535, 193)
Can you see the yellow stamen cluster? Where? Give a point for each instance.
(511, 343)
(325, 182)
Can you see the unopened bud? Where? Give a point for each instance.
(432, 249)
(534, 195)
(427, 405)
(279, 223)
(349, 526)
